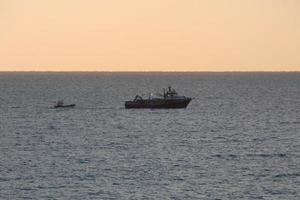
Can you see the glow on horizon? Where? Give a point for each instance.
(149, 35)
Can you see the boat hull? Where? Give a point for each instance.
(65, 106)
(158, 104)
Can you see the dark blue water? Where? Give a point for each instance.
(238, 139)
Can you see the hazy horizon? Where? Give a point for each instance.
(145, 71)
(143, 35)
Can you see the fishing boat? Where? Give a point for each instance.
(169, 99)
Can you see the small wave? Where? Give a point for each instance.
(280, 155)
(15, 107)
(288, 175)
(2, 179)
(284, 122)
(26, 189)
(49, 187)
(225, 156)
(279, 192)
(177, 178)
(96, 193)
(81, 108)
(96, 108)
(234, 156)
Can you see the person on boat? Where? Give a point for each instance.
(137, 97)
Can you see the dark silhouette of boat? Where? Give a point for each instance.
(60, 104)
(169, 99)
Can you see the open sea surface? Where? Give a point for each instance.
(238, 139)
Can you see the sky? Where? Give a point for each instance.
(149, 35)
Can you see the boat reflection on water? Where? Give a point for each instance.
(169, 99)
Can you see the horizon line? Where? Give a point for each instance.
(145, 71)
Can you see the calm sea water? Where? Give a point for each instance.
(238, 139)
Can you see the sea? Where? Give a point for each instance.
(239, 138)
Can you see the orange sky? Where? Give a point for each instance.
(146, 35)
